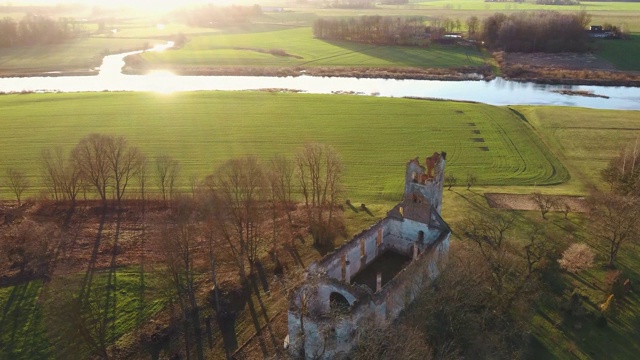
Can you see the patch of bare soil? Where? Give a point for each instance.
(525, 202)
(563, 68)
(575, 61)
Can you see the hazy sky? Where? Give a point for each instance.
(152, 4)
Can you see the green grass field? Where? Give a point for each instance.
(621, 53)
(237, 49)
(584, 139)
(375, 136)
(84, 53)
(23, 329)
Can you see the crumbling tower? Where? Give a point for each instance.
(424, 184)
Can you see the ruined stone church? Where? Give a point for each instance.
(369, 280)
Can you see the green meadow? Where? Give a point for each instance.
(85, 54)
(584, 140)
(623, 54)
(375, 136)
(240, 49)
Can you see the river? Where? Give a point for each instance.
(494, 92)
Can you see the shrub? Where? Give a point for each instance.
(576, 258)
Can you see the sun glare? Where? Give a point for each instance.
(163, 81)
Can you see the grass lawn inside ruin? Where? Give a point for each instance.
(374, 136)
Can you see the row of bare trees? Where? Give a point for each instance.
(380, 30)
(241, 211)
(107, 164)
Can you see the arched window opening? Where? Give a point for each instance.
(338, 303)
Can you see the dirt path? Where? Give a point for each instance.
(525, 202)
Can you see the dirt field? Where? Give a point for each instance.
(524, 202)
(573, 61)
(563, 68)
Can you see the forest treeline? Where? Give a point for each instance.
(379, 30)
(539, 31)
(34, 29)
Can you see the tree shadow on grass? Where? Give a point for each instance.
(469, 199)
(109, 311)
(87, 281)
(254, 318)
(14, 317)
(293, 251)
(264, 313)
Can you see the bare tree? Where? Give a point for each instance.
(450, 180)
(211, 235)
(514, 276)
(545, 203)
(193, 184)
(17, 182)
(52, 163)
(142, 177)
(91, 158)
(281, 176)
(399, 341)
(614, 219)
(239, 191)
(462, 317)
(29, 247)
(319, 171)
(566, 209)
(124, 161)
(472, 179)
(71, 180)
(167, 170)
(179, 243)
(61, 175)
(577, 257)
(473, 25)
(623, 172)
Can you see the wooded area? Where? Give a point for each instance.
(536, 32)
(34, 29)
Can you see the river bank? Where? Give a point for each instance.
(548, 76)
(47, 73)
(133, 67)
(579, 72)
